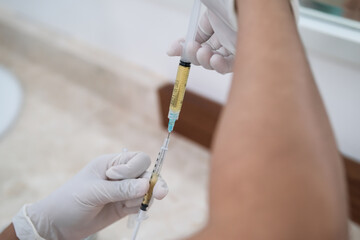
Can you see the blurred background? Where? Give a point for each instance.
(82, 78)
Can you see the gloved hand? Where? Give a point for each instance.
(107, 189)
(215, 42)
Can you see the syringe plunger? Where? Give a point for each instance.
(183, 69)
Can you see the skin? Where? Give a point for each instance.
(352, 9)
(8, 233)
(276, 172)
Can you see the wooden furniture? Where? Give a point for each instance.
(198, 119)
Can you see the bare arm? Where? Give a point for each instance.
(276, 172)
(8, 233)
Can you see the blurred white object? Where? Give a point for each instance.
(10, 99)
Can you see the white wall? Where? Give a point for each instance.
(137, 30)
(141, 30)
(334, 54)
(339, 84)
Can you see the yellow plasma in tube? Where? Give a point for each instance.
(148, 195)
(179, 88)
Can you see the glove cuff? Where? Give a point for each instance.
(224, 10)
(295, 8)
(231, 10)
(232, 15)
(24, 228)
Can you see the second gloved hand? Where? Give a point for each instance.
(107, 189)
(215, 43)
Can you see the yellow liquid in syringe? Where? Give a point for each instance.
(147, 198)
(179, 87)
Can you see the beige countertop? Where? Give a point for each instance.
(73, 112)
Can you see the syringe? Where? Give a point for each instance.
(153, 179)
(183, 69)
(174, 111)
(155, 173)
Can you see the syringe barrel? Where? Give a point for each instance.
(147, 198)
(155, 174)
(178, 93)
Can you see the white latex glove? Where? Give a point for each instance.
(105, 190)
(215, 43)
